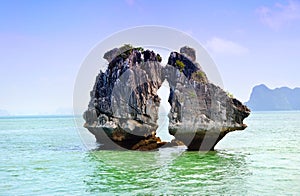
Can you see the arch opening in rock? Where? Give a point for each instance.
(163, 120)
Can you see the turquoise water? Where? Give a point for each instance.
(45, 156)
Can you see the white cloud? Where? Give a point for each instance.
(221, 46)
(279, 15)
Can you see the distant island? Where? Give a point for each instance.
(265, 99)
(4, 113)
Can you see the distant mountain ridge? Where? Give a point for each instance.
(265, 99)
(4, 113)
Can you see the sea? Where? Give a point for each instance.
(47, 155)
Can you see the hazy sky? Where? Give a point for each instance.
(43, 43)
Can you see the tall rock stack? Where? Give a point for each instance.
(123, 109)
(201, 113)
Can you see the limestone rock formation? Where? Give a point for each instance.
(189, 53)
(201, 112)
(123, 109)
(124, 102)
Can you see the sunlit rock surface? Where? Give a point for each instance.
(123, 109)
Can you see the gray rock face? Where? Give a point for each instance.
(202, 114)
(188, 52)
(124, 103)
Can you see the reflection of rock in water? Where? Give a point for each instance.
(124, 104)
(166, 171)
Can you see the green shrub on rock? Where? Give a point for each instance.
(200, 76)
(158, 58)
(180, 65)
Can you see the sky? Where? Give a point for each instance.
(43, 43)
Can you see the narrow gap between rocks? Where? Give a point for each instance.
(164, 108)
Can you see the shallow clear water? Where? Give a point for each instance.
(45, 156)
